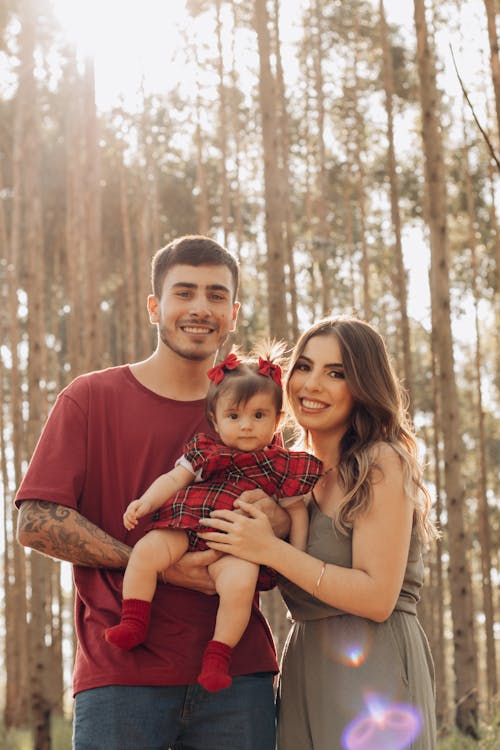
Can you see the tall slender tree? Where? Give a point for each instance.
(491, 7)
(481, 463)
(276, 252)
(36, 370)
(400, 273)
(465, 664)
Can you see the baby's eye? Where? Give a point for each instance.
(233, 415)
(259, 415)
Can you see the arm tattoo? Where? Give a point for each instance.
(61, 532)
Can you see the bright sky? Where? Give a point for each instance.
(140, 41)
(138, 46)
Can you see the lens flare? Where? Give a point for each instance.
(350, 646)
(383, 726)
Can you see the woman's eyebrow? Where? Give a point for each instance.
(326, 365)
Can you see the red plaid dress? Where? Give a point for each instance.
(225, 473)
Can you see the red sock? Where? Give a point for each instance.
(214, 673)
(133, 625)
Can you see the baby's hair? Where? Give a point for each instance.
(244, 381)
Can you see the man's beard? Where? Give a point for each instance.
(187, 353)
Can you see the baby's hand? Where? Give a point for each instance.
(132, 514)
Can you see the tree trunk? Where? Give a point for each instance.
(484, 534)
(16, 641)
(322, 242)
(496, 244)
(36, 371)
(224, 181)
(128, 328)
(91, 189)
(360, 169)
(400, 274)
(439, 643)
(284, 173)
(201, 178)
(278, 318)
(491, 15)
(465, 663)
(75, 227)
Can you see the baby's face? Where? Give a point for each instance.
(249, 425)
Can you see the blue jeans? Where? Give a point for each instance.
(177, 717)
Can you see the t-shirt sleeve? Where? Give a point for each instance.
(304, 471)
(186, 464)
(57, 467)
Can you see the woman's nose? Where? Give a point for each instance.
(312, 383)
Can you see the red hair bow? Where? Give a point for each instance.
(270, 369)
(216, 374)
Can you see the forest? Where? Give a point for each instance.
(348, 153)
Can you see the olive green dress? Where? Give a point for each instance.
(353, 684)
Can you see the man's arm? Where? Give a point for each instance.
(63, 533)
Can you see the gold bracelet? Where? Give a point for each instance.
(317, 584)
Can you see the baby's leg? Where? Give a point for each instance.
(152, 554)
(235, 582)
(156, 551)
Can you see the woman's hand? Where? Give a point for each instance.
(279, 518)
(249, 536)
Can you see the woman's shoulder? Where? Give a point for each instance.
(382, 450)
(385, 456)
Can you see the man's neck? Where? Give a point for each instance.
(172, 376)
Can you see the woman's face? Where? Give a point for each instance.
(317, 390)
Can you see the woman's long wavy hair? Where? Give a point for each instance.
(379, 416)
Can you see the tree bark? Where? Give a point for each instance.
(400, 274)
(276, 254)
(484, 534)
(465, 663)
(494, 60)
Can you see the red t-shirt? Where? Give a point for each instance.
(106, 439)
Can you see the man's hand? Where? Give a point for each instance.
(278, 518)
(191, 572)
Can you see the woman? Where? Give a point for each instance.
(356, 671)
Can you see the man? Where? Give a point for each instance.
(109, 435)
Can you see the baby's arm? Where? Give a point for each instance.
(299, 520)
(156, 494)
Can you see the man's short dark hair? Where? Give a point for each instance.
(191, 250)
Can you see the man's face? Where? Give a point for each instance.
(195, 312)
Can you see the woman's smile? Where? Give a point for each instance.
(311, 405)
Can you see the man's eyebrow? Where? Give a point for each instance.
(218, 288)
(210, 287)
